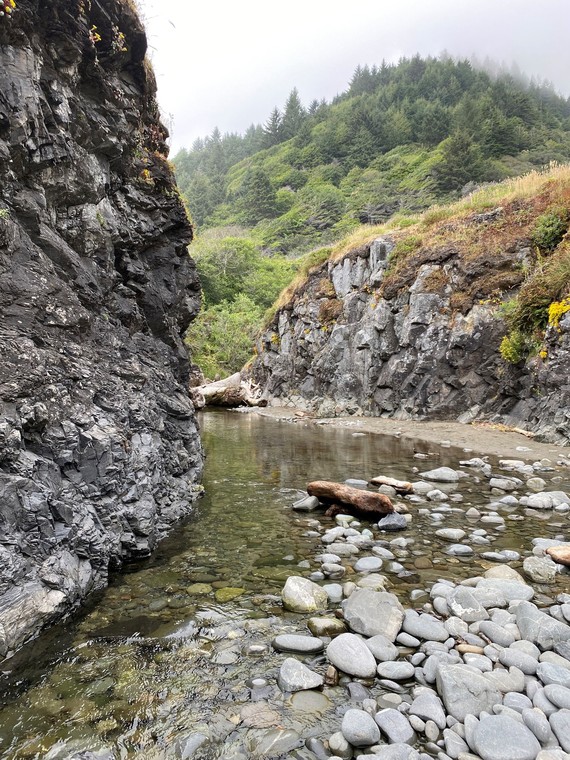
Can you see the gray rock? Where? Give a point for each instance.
(537, 722)
(374, 612)
(424, 626)
(465, 691)
(553, 674)
(392, 752)
(558, 695)
(428, 706)
(392, 522)
(560, 724)
(547, 499)
(463, 603)
(302, 595)
(382, 648)
(350, 654)
(442, 475)
(451, 534)
(359, 728)
(339, 746)
(541, 569)
(518, 702)
(396, 671)
(290, 642)
(510, 590)
(521, 660)
(368, 565)
(499, 737)
(395, 726)
(459, 550)
(306, 504)
(539, 628)
(454, 744)
(294, 676)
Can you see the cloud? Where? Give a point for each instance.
(227, 64)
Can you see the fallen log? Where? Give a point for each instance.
(400, 486)
(355, 501)
(230, 392)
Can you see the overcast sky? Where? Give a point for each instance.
(227, 64)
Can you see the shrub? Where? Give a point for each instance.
(550, 228)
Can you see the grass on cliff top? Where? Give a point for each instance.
(523, 199)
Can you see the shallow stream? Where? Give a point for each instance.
(178, 648)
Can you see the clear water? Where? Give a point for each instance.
(171, 647)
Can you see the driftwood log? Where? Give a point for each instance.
(355, 501)
(230, 392)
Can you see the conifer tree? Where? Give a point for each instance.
(272, 128)
(293, 116)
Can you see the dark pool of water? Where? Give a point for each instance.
(165, 651)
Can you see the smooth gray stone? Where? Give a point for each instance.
(442, 475)
(451, 534)
(552, 754)
(517, 701)
(429, 707)
(359, 728)
(277, 742)
(350, 654)
(397, 671)
(496, 633)
(368, 565)
(555, 659)
(511, 590)
(431, 730)
(373, 612)
(307, 504)
(518, 659)
(294, 676)
(339, 746)
(382, 648)
(358, 692)
(560, 724)
(302, 595)
(459, 550)
(538, 723)
(558, 695)
(478, 661)
(454, 744)
(290, 642)
(392, 752)
(434, 661)
(463, 603)
(499, 737)
(395, 726)
(424, 626)
(540, 628)
(541, 701)
(506, 680)
(334, 592)
(465, 691)
(527, 647)
(407, 640)
(392, 522)
(550, 673)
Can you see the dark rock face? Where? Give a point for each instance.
(99, 450)
(339, 347)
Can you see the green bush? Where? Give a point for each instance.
(550, 229)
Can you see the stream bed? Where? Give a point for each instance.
(168, 660)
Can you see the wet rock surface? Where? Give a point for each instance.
(408, 353)
(99, 451)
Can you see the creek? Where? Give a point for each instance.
(177, 647)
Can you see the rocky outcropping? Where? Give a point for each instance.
(351, 340)
(99, 451)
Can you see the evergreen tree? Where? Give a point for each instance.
(293, 116)
(272, 129)
(461, 162)
(257, 197)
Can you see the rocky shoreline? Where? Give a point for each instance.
(472, 668)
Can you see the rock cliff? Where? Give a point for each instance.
(409, 325)
(99, 451)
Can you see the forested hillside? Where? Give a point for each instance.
(401, 138)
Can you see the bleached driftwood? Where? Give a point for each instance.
(353, 500)
(230, 392)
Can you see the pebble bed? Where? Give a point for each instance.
(443, 631)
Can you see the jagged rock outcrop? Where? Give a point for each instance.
(421, 345)
(99, 451)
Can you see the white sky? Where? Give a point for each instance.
(227, 64)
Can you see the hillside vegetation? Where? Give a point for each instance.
(400, 139)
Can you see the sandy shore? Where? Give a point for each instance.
(480, 438)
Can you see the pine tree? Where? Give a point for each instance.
(293, 116)
(257, 197)
(272, 128)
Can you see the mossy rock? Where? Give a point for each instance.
(227, 594)
(199, 589)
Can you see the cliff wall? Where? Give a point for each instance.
(99, 451)
(410, 324)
